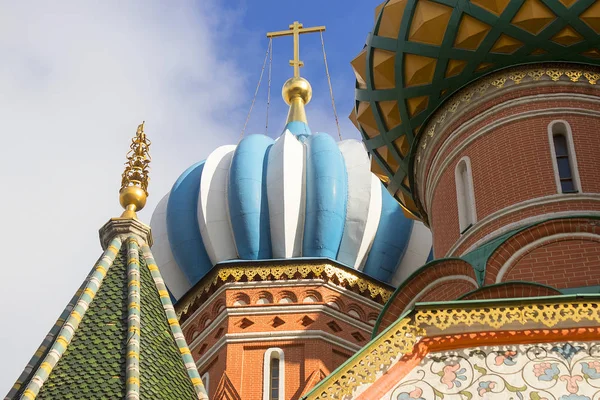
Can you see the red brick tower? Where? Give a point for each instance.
(284, 326)
(491, 137)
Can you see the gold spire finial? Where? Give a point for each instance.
(296, 91)
(134, 182)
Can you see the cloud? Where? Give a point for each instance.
(75, 80)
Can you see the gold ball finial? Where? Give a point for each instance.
(296, 87)
(132, 198)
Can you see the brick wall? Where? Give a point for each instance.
(447, 290)
(549, 210)
(511, 290)
(479, 107)
(570, 228)
(233, 349)
(413, 286)
(512, 164)
(242, 363)
(561, 263)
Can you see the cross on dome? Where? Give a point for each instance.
(296, 29)
(296, 91)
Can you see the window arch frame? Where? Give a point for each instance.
(271, 354)
(206, 381)
(571, 156)
(465, 195)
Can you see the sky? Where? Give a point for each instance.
(77, 77)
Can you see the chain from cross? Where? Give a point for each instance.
(296, 29)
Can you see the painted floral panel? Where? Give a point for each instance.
(549, 371)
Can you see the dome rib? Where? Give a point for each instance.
(247, 196)
(326, 196)
(174, 277)
(358, 210)
(286, 192)
(182, 225)
(391, 241)
(213, 213)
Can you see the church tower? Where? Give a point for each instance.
(280, 254)
(118, 338)
(482, 118)
(492, 142)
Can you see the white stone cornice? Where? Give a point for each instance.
(308, 283)
(439, 165)
(450, 118)
(273, 338)
(522, 222)
(278, 310)
(420, 173)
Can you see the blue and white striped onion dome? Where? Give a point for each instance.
(299, 196)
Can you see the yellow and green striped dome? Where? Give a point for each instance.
(422, 51)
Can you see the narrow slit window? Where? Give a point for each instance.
(274, 375)
(565, 164)
(274, 379)
(465, 195)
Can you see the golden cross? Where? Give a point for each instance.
(296, 29)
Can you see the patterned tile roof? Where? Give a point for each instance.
(421, 52)
(118, 338)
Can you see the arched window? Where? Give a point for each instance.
(465, 195)
(205, 381)
(274, 375)
(564, 161)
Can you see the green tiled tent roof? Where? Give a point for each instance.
(101, 353)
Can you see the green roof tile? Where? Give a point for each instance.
(94, 364)
(96, 355)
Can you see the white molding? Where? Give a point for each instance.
(465, 194)
(206, 381)
(270, 354)
(437, 281)
(452, 117)
(571, 154)
(537, 243)
(283, 284)
(278, 310)
(437, 170)
(420, 174)
(273, 337)
(554, 198)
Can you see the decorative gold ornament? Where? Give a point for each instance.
(134, 182)
(505, 79)
(365, 367)
(496, 317)
(251, 272)
(296, 87)
(296, 92)
(428, 321)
